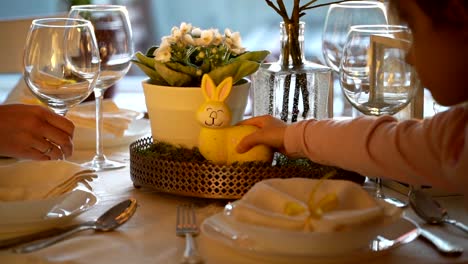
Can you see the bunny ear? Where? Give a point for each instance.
(208, 87)
(224, 89)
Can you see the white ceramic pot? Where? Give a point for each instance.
(172, 111)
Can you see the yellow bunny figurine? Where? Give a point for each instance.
(218, 139)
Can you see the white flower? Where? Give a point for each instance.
(218, 38)
(227, 33)
(176, 33)
(228, 43)
(206, 37)
(168, 41)
(198, 42)
(238, 51)
(187, 38)
(185, 28)
(234, 43)
(236, 39)
(210, 44)
(163, 54)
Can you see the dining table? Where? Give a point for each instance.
(150, 235)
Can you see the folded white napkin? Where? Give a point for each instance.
(31, 180)
(349, 205)
(115, 120)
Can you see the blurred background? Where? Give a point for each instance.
(257, 23)
(153, 19)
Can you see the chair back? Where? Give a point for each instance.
(13, 32)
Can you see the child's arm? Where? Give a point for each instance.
(432, 151)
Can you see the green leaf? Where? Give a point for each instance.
(150, 51)
(257, 56)
(190, 70)
(246, 68)
(149, 62)
(173, 78)
(151, 73)
(237, 70)
(206, 66)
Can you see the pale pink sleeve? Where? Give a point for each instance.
(431, 151)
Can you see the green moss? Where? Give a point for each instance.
(162, 150)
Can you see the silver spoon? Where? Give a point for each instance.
(110, 220)
(431, 211)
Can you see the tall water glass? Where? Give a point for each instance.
(114, 36)
(61, 61)
(374, 75)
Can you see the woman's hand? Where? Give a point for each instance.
(34, 132)
(271, 133)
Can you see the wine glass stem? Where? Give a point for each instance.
(61, 112)
(99, 95)
(378, 190)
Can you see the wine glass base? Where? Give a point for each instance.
(392, 200)
(98, 164)
(377, 192)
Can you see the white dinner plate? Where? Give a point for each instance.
(23, 217)
(224, 229)
(85, 138)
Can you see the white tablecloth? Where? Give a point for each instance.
(149, 237)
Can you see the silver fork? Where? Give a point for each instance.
(186, 225)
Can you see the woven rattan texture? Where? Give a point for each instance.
(204, 180)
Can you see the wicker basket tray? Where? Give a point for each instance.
(208, 180)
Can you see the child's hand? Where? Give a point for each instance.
(271, 133)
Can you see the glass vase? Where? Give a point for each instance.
(292, 89)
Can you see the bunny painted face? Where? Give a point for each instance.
(214, 113)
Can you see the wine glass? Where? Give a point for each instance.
(339, 18)
(374, 75)
(61, 61)
(114, 36)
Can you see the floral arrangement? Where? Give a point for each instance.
(189, 52)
